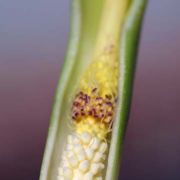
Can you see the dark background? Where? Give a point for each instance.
(33, 40)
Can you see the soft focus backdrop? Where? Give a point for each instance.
(33, 40)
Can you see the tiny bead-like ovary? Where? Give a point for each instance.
(85, 160)
(84, 166)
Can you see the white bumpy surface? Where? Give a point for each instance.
(83, 158)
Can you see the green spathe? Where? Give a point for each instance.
(84, 27)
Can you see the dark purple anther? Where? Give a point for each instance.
(83, 114)
(94, 90)
(93, 111)
(109, 103)
(90, 113)
(109, 114)
(96, 116)
(86, 98)
(99, 98)
(76, 114)
(102, 115)
(76, 103)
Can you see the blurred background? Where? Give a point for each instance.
(33, 40)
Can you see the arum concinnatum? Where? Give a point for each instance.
(93, 96)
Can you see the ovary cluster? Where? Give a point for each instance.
(83, 158)
(92, 113)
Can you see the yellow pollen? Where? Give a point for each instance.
(93, 127)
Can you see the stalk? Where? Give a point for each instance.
(93, 97)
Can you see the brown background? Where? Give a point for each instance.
(33, 39)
